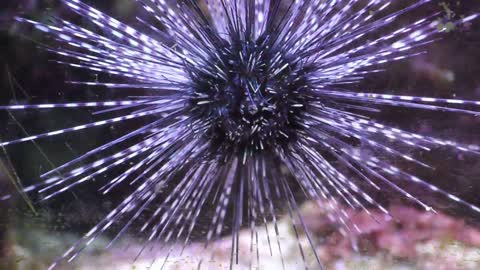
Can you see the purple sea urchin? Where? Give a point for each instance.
(248, 100)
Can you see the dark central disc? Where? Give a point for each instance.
(251, 95)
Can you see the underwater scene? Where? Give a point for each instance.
(239, 134)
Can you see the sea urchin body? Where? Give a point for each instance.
(247, 101)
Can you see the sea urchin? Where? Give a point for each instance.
(247, 100)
